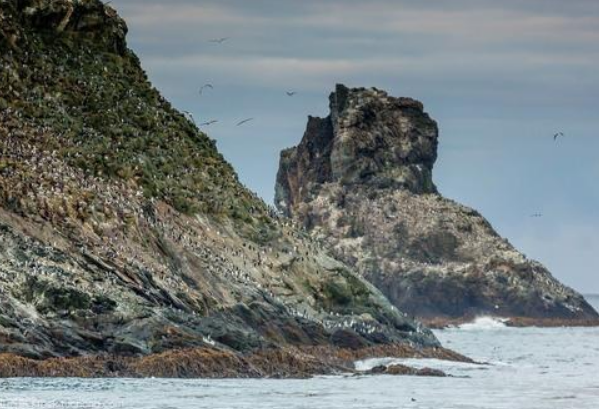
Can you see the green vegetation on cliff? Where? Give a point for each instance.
(72, 78)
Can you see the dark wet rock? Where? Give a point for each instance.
(398, 369)
(431, 372)
(361, 182)
(378, 370)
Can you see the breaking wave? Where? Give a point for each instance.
(484, 323)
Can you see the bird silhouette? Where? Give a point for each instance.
(203, 87)
(219, 40)
(558, 135)
(291, 93)
(244, 121)
(212, 121)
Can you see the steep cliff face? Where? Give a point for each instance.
(123, 230)
(369, 139)
(361, 182)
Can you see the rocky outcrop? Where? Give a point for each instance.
(286, 362)
(399, 369)
(369, 139)
(123, 232)
(360, 182)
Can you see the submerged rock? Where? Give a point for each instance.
(398, 369)
(361, 182)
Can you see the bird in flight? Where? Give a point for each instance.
(219, 40)
(558, 135)
(203, 87)
(244, 121)
(207, 123)
(291, 93)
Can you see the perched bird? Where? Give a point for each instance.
(213, 121)
(219, 40)
(203, 87)
(244, 121)
(558, 135)
(291, 93)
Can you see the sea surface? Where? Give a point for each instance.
(528, 368)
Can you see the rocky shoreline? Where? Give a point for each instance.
(218, 363)
(515, 322)
(522, 322)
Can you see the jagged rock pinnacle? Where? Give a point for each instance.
(361, 181)
(368, 138)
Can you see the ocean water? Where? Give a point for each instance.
(528, 368)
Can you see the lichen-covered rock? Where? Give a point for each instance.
(361, 182)
(123, 231)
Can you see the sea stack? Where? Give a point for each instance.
(361, 182)
(127, 242)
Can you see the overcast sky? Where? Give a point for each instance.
(499, 77)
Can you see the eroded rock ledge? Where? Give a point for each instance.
(217, 363)
(361, 182)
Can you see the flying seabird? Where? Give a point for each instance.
(558, 135)
(213, 121)
(204, 87)
(291, 93)
(219, 40)
(244, 121)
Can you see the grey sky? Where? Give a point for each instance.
(500, 78)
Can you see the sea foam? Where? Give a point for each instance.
(484, 323)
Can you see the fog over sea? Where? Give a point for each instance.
(532, 368)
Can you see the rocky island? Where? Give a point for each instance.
(128, 246)
(361, 182)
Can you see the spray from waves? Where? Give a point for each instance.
(367, 364)
(418, 363)
(483, 324)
